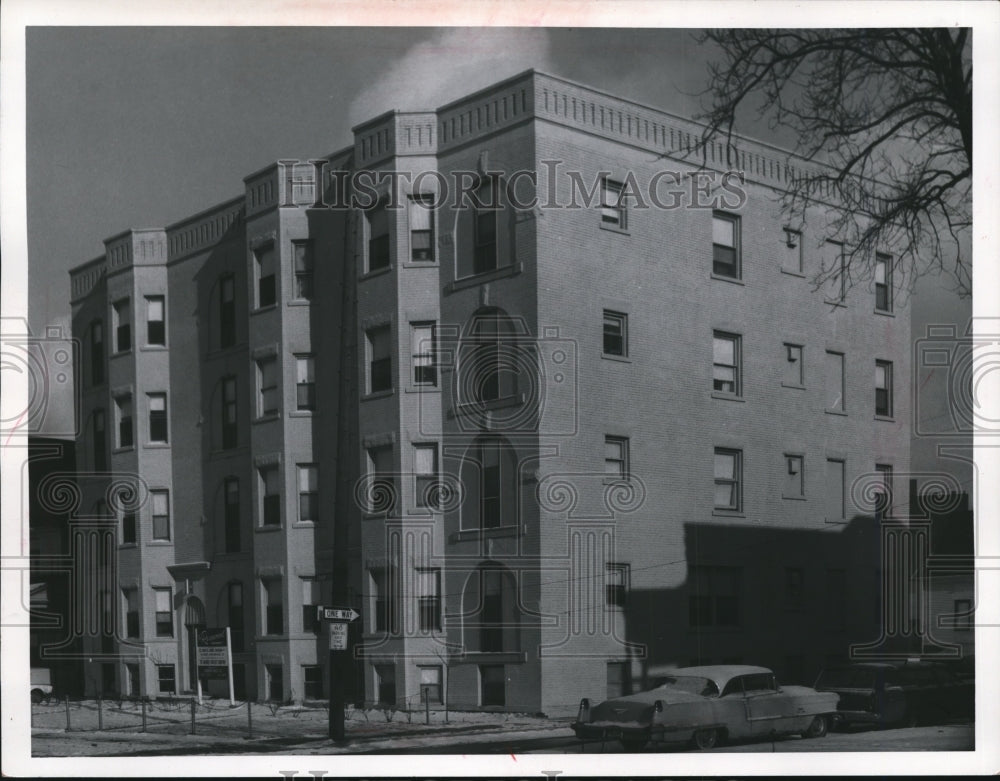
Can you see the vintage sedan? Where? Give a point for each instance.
(708, 704)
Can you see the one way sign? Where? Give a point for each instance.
(338, 613)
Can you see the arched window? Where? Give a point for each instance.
(489, 482)
(489, 358)
(490, 610)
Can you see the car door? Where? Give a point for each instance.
(768, 711)
(731, 709)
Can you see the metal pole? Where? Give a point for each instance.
(67, 713)
(143, 714)
(192, 716)
(229, 666)
(249, 720)
(100, 714)
(427, 706)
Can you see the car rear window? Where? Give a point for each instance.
(692, 684)
(846, 678)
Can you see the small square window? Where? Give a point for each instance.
(166, 678)
(310, 604)
(794, 477)
(613, 205)
(615, 333)
(421, 230)
(430, 684)
(305, 382)
(312, 681)
(157, 417)
(303, 257)
(423, 354)
(883, 388)
(793, 373)
(726, 361)
(428, 587)
(156, 329)
(726, 245)
(308, 492)
(161, 514)
(164, 612)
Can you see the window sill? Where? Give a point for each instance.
(618, 358)
(793, 497)
(728, 513)
(793, 386)
(127, 546)
(422, 389)
(727, 396)
(607, 226)
(119, 450)
(421, 264)
(840, 412)
(154, 348)
(159, 544)
(299, 302)
(271, 416)
(262, 309)
(156, 446)
(885, 418)
(268, 529)
(304, 525)
(383, 394)
(730, 280)
(303, 413)
(476, 534)
(792, 273)
(884, 312)
(484, 277)
(376, 273)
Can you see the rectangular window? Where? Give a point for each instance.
(492, 685)
(130, 596)
(728, 479)
(227, 311)
(792, 257)
(156, 327)
(378, 238)
(616, 457)
(883, 495)
(385, 683)
(425, 470)
(615, 333)
(430, 684)
(616, 585)
(794, 587)
(123, 326)
(275, 684)
(270, 494)
(265, 265)
(100, 441)
(834, 483)
(963, 615)
(267, 387)
(421, 230)
(305, 382)
(128, 527)
(312, 681)
(161, 514)
(726, 245)
(613, 207)
(834, 270)
(883, 282)
(303, 258)
(123, 411)
(157, 416)
(384, 586)
(726, 363)
(794, 480)
(382, 494)
(231, 515)
(273, 606)
(308, 493)
(164, 612)
(166, 679)
(310, 602)
(793, 373)
(132, 678)
(715, 596)
(228, 417)
(835, 390)
(423, 352)
(379, 359)
(485, 257)
(235, 616)
(883, 388)
(96, 353)
(429, 599)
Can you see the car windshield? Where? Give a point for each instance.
(691, 684)
(846, 678)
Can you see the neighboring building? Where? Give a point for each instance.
(516, 419)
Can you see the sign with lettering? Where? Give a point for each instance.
(338, 636)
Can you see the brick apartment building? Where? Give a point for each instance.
(560, 448)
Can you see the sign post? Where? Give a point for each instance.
(337, 619)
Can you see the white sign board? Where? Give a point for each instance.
(209, 656)
(338, 636)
